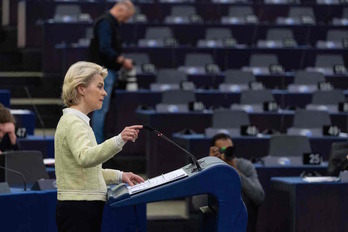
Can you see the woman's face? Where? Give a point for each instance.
(94, 94)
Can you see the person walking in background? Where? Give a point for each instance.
(106, 50)
(81, 181)
(8, 138)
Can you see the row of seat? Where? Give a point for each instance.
(86, 11)
(306, 123)
(259, 64)
(237, 81)
(254, 101)
(136, 34)
(223, 37)
(179, 14)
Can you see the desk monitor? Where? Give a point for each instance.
(29, 163)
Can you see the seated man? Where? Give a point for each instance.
(221, 146)
(8, 138)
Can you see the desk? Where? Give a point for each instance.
(265, 173)
(199, 144)
(124, 105)
(35, 211)
(302, 206)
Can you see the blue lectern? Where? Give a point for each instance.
(216, 178)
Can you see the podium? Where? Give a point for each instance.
(216, 178)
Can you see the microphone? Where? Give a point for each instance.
(36, 111)
(17, 173)
(159, 134)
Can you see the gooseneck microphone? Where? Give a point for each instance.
(17, 173)
(159, 134)
(36, 111)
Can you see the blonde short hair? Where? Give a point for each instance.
(79, 74)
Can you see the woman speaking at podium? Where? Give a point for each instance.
(81, 181)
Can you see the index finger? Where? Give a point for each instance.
(136, 127)
(139, 179)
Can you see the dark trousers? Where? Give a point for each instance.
(77, 216)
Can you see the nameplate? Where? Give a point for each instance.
(331, 130)
(339, 69)
(140, 18)
(229, 42)
(306, 19)
(276, 69)
(343, 107)
(249, 130)
(21, 132)
(270, 106)
(169, 42)
(345, 42)
(251, 19)
(187, 85)
(196, 19)
(212, 68)
(312, 158)
(148, 68)
(289, 42)
(196, 106)
(256, 85)
(325, 86)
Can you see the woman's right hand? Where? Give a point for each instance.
(130, 133)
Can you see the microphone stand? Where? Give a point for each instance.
(36, 112)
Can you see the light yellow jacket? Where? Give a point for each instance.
(78, 159)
